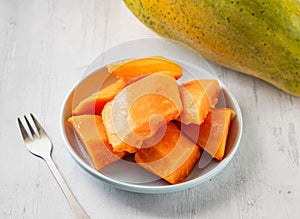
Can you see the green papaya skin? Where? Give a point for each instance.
(257, 37)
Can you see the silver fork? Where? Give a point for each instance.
(40, 145)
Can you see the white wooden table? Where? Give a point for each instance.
(45, 47)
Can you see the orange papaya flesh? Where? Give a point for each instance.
(212, 134)
(130, 69)
(94, 104)
(198, 97)
(172, 158)
(91, 132)
(140, 109)
(118, 144)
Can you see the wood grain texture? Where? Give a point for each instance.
(45, 47)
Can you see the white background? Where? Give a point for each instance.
(46, 45)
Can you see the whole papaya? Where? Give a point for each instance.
(257, 37)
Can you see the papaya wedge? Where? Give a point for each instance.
(91, 132)
(140, 109)
(198, 98)
(212, 134)
(94, 104)
(172, 158)
(132, 68)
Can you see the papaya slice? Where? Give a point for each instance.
(91, 132)
(118, 144)
(140, 109)
(172, 158)
(132, 68)
(95, 103)
(126, 71)
(198, 97)
(212, 134)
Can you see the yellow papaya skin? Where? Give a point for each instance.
(258, 37)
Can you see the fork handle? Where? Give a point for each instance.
(77, 209)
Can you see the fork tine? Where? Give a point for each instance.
(38, 125)
(30, 128)
(23, 131)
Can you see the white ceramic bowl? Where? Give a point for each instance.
(125, 174)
